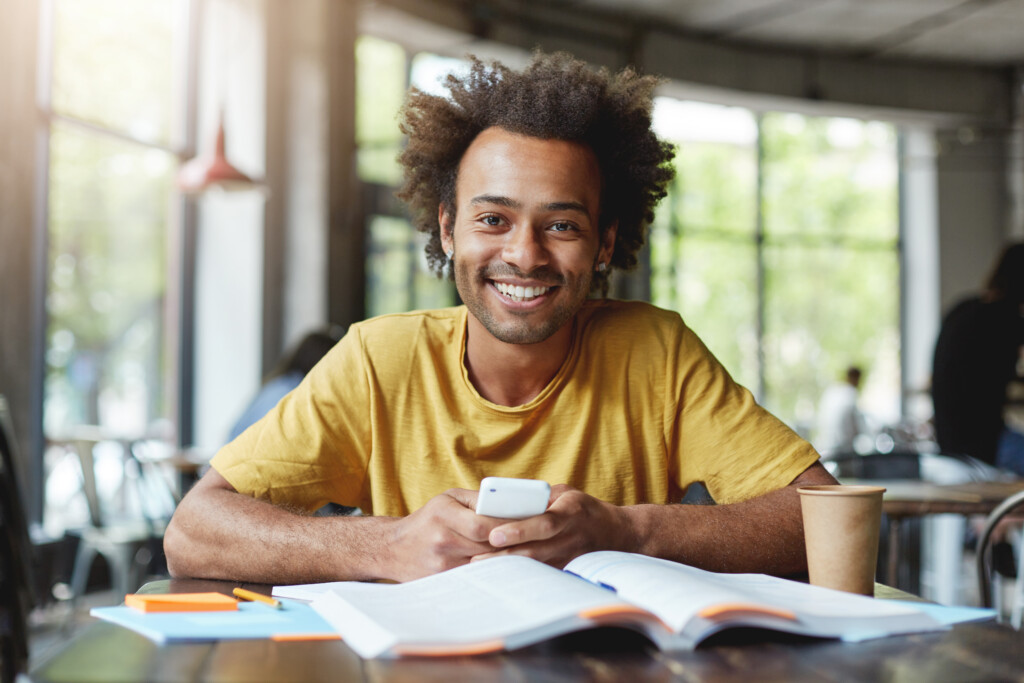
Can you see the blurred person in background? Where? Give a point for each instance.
(287, 374)
(840, 420)
(977, 356)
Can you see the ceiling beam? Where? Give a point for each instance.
(959, 93)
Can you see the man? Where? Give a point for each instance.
(977, 356)
(532, 186)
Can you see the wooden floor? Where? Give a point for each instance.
(51, 625)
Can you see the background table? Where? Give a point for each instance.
(108, 653)
(906, 499)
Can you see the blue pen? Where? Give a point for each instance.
(600, 584)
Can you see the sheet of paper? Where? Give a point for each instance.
(950, 614)
(306, 592)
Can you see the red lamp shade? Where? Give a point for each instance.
(203, 173)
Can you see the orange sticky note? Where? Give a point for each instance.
(181, 602)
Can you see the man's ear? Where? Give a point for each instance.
(604, 254)
(446, 233)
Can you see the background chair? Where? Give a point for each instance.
(17, 597)
(129, 537)
(989, 573)
(13, 638)
(893, 465)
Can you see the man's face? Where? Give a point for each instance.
(525, 233)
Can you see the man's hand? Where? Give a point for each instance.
(444, 533)
(763, 534)
(574, 523)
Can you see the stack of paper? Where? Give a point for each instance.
(197, 617)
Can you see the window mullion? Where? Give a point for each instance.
(759, 259)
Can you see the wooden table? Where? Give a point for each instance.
(907, 498)
(103, 652)
(188, 464)
(910, 498)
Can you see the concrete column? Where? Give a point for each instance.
(919, 299)
(971, 163)
(346, 279)
(22, 243)
(229, 239)
(295, 232)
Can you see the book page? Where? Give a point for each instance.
(482, 601)
(677, 593)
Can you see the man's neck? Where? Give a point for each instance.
(513, 374)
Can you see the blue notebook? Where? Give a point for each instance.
(251, 620)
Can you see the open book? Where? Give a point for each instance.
(510, 602)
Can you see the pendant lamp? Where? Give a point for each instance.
(204, 173)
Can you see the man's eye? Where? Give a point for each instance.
(563, 227)
(491, 220)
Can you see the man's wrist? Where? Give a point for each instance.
(662, 530)
(367, 551)
(634, 535)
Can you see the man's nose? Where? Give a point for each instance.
(524, 248)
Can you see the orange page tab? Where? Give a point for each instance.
(482, 648)
(181, 602)
(613, 614)
(287, 637)
(739, 610)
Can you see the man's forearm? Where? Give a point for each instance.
(220, 534)
(764, 534)
(741, 537)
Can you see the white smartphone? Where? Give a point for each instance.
(512, 498)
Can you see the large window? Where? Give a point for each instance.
(779, 244)
(397, 275)
(114, 111)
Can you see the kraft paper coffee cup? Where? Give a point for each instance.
(841, 526)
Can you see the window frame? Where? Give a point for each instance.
(761, 241)
(178, 333)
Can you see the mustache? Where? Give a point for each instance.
(543, 275)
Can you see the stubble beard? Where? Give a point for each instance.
(520, 330)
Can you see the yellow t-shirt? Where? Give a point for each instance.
(389, 418)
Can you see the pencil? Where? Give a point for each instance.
(258, 597)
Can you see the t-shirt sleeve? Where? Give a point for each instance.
(720, 436)
(313, 448)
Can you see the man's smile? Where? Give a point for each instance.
(520, 293)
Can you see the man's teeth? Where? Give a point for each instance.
(517, 293)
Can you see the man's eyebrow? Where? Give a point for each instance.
(495, 199)
(567, 206)
(513, 204)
